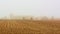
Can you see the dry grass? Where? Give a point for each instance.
(29, 27)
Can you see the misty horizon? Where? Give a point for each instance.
(30, 7)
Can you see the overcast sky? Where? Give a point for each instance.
(30, 7)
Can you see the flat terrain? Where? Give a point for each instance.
(29, 27)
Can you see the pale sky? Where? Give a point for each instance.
(30, 7)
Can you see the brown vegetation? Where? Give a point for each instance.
(29, 27)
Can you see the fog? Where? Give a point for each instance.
(30, 7)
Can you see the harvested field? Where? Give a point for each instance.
(29, 27)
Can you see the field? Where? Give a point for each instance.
(29, 27)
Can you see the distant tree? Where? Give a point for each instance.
(31, 18)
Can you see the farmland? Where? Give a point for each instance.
(29, 27)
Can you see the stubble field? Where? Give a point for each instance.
(29, 27)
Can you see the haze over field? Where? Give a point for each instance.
(30, 7)
(29, 16)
